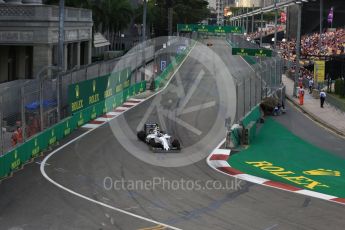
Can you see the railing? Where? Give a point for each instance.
(42, 13)
(261, 80)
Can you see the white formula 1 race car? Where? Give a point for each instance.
(158, 140)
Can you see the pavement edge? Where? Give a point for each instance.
(316, 119)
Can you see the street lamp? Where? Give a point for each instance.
(275, 25)
(298, 45)
(144, 38)
(144, 20)
(61, 33)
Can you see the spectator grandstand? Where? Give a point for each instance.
(333, 44)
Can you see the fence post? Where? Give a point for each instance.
(256, 90)
(270, 67)
(41, 104)
(58, 96)
(23, 112)
(276, 72)
(261, 89)
(237, 103)
(244, 96)
(86, 71)
(250, 92)
(1, 131)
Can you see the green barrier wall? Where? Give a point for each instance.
(33, 147)
(161, 80)
(253, 115)
(87, 93)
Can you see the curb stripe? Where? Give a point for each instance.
(96, 122)
(251, 178)
(103, 119)
(119, 110)
(230, 170)
(127, 105)
(136, 100)
(114, 114)
(219, 157)
(108, 116)
(339, 200)
(282, 186)
(90, 126)
(218, 160)
(315, 194)
(130, 103)
(123, 108)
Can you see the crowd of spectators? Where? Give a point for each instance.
(304, 73)
(265, 32)
(333, 43)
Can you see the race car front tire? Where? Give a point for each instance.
(141, 135)
(176, 144)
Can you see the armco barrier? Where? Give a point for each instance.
(33, 147)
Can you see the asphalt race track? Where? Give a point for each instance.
(90, 165)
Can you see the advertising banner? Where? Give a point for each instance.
(90, 92)
(319, 71)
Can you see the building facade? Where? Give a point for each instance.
(248, 3)
(29, 33)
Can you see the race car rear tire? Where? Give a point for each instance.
(176, 144)
(141, 135)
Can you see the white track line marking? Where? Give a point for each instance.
(86, 133)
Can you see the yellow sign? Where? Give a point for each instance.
(287, 175)
(322, 172)
(319, 71)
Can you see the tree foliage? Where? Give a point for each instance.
(191, 11)
(109, 16)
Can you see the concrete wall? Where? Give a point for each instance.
(42, 57)
(23, 24)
